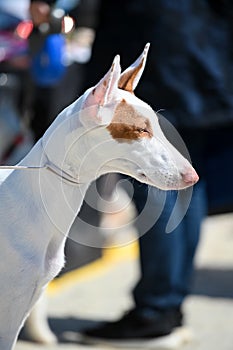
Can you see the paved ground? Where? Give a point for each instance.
(103, 292)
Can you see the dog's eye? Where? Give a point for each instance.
(142, 131)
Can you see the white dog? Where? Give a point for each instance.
(108, 129)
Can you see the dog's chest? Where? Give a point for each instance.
(54, 259)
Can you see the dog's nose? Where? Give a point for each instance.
(190, 176)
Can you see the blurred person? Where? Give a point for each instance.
(189, 74)
(47, 40)
(63, 71)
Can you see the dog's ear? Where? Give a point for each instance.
(130, 77)
(101, 95)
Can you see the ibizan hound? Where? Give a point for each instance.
(108, 129)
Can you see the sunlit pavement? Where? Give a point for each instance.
(101, 291)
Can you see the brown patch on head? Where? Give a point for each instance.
(127, 79)
(128, 125)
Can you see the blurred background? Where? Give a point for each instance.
(45, 64)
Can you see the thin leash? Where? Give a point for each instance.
(21, 167)
(49, 166)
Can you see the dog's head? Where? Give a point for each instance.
(118, 132)
(133, 142)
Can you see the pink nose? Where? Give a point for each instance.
(190, 177)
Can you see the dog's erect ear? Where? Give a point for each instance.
(103, 92)
(101, 95)
(130, 77)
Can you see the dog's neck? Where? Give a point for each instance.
(75, 150)
(60, 196)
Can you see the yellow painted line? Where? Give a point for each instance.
(110, 257)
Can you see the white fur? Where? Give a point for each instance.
(38, 207)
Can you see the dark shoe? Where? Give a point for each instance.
(136, 326)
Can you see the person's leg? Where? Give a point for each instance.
(166, 259)
(166, 265)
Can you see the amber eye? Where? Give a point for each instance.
(141, 131)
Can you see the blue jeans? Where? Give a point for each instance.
(167, 258)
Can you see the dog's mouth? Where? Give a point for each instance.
(143, 176)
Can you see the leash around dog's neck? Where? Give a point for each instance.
(49, 166)
(61, 173)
